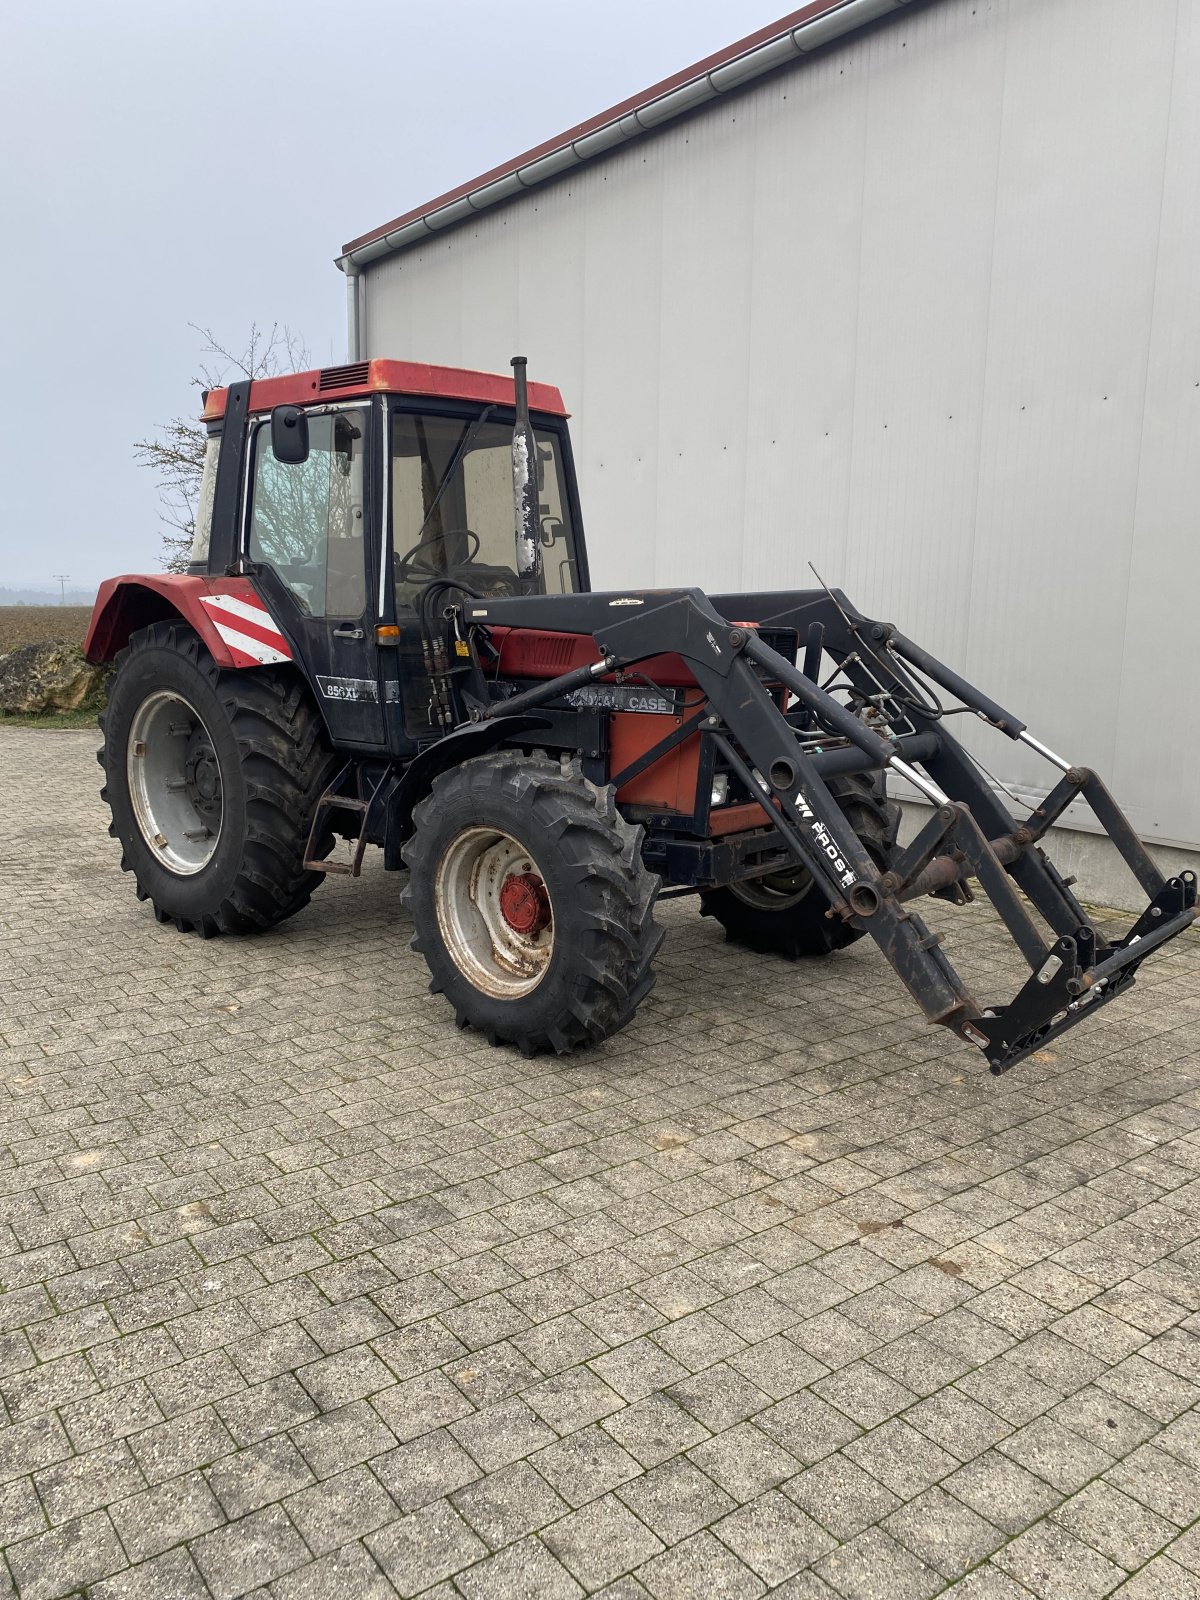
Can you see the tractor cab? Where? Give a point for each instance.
(365, 500)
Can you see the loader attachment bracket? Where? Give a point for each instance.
(1070, 983)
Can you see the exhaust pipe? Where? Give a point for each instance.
(525, 489)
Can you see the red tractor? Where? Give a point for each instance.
(387, 634)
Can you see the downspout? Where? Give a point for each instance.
(353, 309)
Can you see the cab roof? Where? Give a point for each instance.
(387, 377)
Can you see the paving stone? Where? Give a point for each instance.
(697, 1568)
(654, 1429)
(492, 1374)
(422, 1549)
(502, 1433)
(562, 1342)
(114, 1414)
(194, 1439)
(349, 1571)
(525, 1571)
(426, 1469)
(571, 1400)
(413, 1408)
(675, 1499)
(957, 1423)
(773, 1537)
(1114, 1524)
(584, 1464)
(339, 1509)
(366, 1279)
(1161, 1481)
(601, 1542)
(152, 1521)
(900, 1457)
(21, 1513)
(863, 1393)
(944, 1533)
(1105, 1421)
(171, 1576)
(873, 1564)
(349, 1375)
(258, 1475)
(244, 1555)
(1056, 1454)
(84, 1483)
(1055, 1566)
(1001, 1490)
(743, 1461)
(67, 1558)
(637, 1369)
(807, 1426)
(1161, 1579)
(508, 1504)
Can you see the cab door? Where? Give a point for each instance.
(309, 536)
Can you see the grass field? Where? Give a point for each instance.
(34, 624)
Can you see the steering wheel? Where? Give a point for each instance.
(410, 562)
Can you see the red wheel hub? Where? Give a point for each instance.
(524, 903)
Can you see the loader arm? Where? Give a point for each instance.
(890, 719)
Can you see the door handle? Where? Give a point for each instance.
(349, 631)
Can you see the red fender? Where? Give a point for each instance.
(228, 613)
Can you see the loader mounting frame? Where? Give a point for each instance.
(783, 759)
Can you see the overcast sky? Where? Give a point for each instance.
(168, 164)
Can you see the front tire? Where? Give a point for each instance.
(784, 913)
(212, 778)
(530, 902)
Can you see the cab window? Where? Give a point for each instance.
(452, 507)
(306, 518)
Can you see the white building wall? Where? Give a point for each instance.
(924, 311)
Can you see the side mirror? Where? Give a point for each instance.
(289, 435)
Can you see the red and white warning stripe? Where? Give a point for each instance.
(247, 629)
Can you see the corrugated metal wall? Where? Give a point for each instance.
(925, 311)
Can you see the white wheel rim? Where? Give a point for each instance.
(495, 956)
(174, 783)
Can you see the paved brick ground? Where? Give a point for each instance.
(307, 1295)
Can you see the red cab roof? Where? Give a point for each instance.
(387, 377)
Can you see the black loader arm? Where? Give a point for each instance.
(868, 699)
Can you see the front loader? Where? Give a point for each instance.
(387, 636)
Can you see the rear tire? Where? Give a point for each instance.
(784, 913)
(530, 902)
(212, 778)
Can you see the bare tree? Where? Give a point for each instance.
(176, 454)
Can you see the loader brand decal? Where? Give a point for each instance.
(627, 600)
(247, 629)
(618, 697)
(825, 843)
(713, 642)
(348, 689)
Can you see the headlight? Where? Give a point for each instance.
(720, 789)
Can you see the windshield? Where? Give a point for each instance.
(452, 507)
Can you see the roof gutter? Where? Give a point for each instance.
(810, 29)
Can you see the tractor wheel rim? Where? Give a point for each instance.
(174, 783)
(777, 892)
(499, 949)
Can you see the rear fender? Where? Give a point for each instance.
(229, 615)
